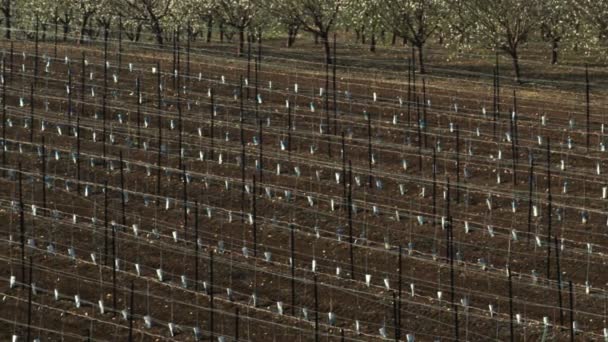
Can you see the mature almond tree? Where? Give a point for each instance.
(318, 17)
(416, 20)
(505, 25)
(238, 14)
(150, 12)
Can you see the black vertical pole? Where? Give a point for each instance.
(160, 131)
(395, 316)
(114, 259)
(316, 290)
(454, 306)
(497, 93)
(196, 246)
(32, 113)
(105, 222)
(211, 294)
(588, 105)
(138, 86)
(511, 327)
(292, 246)
(399, 290)
(212, 124)
(122, 191)
(289, 124)
(326, 107)
(4, 147)
(29, 301)
(457, 164)
(69, 100)
(255, 228)
(36, 45)
(43, 167)
(105, 90)
(549, 209)
(424, 110)
(572, 332)
(185, 201)
(369, 147)
(131, 313)
(344, 195)
(77, 155)
(530, 189)
(21, 224)
(334, 94)
(434, 190)
(56, 22)
(559, 281)
(350, 220)
(236, 324)
(119, 43)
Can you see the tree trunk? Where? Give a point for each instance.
(554, 50)
(66, 29)
(241, 46)
(421, 58)
(83, 29)
(158, 34)
(326, 47)
(372, 44)
(7, 19)
(221, 31)
(515, 58)
(291, 35)
(209, 29)
(394, 39)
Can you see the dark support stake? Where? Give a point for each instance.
(316, 290)
(572, 332)
(21, 224)
(212, 124)
(196, 247)
(122, 191)
(254, 214)
(211, 301)
(559, 282)
(549, 209)
(131, 313)
(588, 104)
(350, 220)
(105, 222)
(292, 246)
(511, 327)
(29, 300)
(32, 113)
(160, 132)
(43, 167)
(530, 190)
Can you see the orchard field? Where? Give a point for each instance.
(318, 192)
